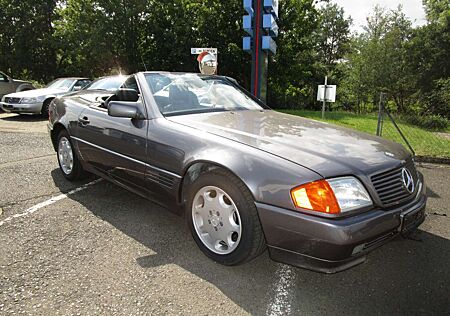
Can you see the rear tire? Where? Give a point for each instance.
(223, 218)
(68, 161)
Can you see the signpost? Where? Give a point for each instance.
(260, 23)
(326, 93)
(197, 51)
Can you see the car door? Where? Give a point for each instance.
(114, 146)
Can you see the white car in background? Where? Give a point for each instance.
(37, 101)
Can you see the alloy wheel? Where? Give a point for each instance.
(65, 155)
(216, 220)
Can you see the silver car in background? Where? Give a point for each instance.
(37, 101)
(107, 83)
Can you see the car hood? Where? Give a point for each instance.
(21, 81)
(37, 93)
(325, 148)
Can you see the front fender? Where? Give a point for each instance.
(268, 177)
(175, 147)
(49, 96)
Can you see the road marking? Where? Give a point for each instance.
(281, 302)
(48, 202)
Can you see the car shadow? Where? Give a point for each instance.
(403, 276)
(432, 194)
(24, 118)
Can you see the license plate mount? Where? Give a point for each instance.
(411, 220)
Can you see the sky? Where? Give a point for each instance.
(359, 9)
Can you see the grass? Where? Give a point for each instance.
(425, 143)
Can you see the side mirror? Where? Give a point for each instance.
(77, 88)
(125, 109)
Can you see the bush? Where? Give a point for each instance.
(438, 100)
(430, 122)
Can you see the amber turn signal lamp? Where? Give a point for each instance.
(316, 196)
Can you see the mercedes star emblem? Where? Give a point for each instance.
(408, 180)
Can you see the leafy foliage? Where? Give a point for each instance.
(44, 39)
(429, 122)
(26, 38)
(410, 65)
(292, 71)
(332, 37)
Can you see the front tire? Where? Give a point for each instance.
(223, 219)
(69, 164)
(45, 107)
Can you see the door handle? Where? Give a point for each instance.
(84, 120)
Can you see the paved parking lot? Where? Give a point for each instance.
(77, 249)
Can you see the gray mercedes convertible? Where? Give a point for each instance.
(245, 177)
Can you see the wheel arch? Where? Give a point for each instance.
(48, 99)
(46, 104)
(269, 178)
(57, 128)
(194, 169)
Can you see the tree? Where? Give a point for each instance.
(438, 11)
(99, 37)
(26, 38)
(104, 35)
(380, 59)
(292, 71)
(429, 54)
(332, 36)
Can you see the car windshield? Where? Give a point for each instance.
(62, 84)
(178, 94)
(106, 83)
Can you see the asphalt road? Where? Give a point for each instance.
(103, 250)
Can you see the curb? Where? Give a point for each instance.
(437, 160)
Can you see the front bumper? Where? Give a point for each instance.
(32, 108)
(332, 245)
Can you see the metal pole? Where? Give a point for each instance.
(400, 132)
(324, 98)
(380, 114)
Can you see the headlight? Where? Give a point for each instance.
(350, 193)
(3, 98)
(331, 196)
(28, 100)
(32, 100)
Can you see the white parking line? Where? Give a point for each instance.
(280, 303)
(48, 202)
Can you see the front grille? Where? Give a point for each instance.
(12, 100)
(390, 187)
